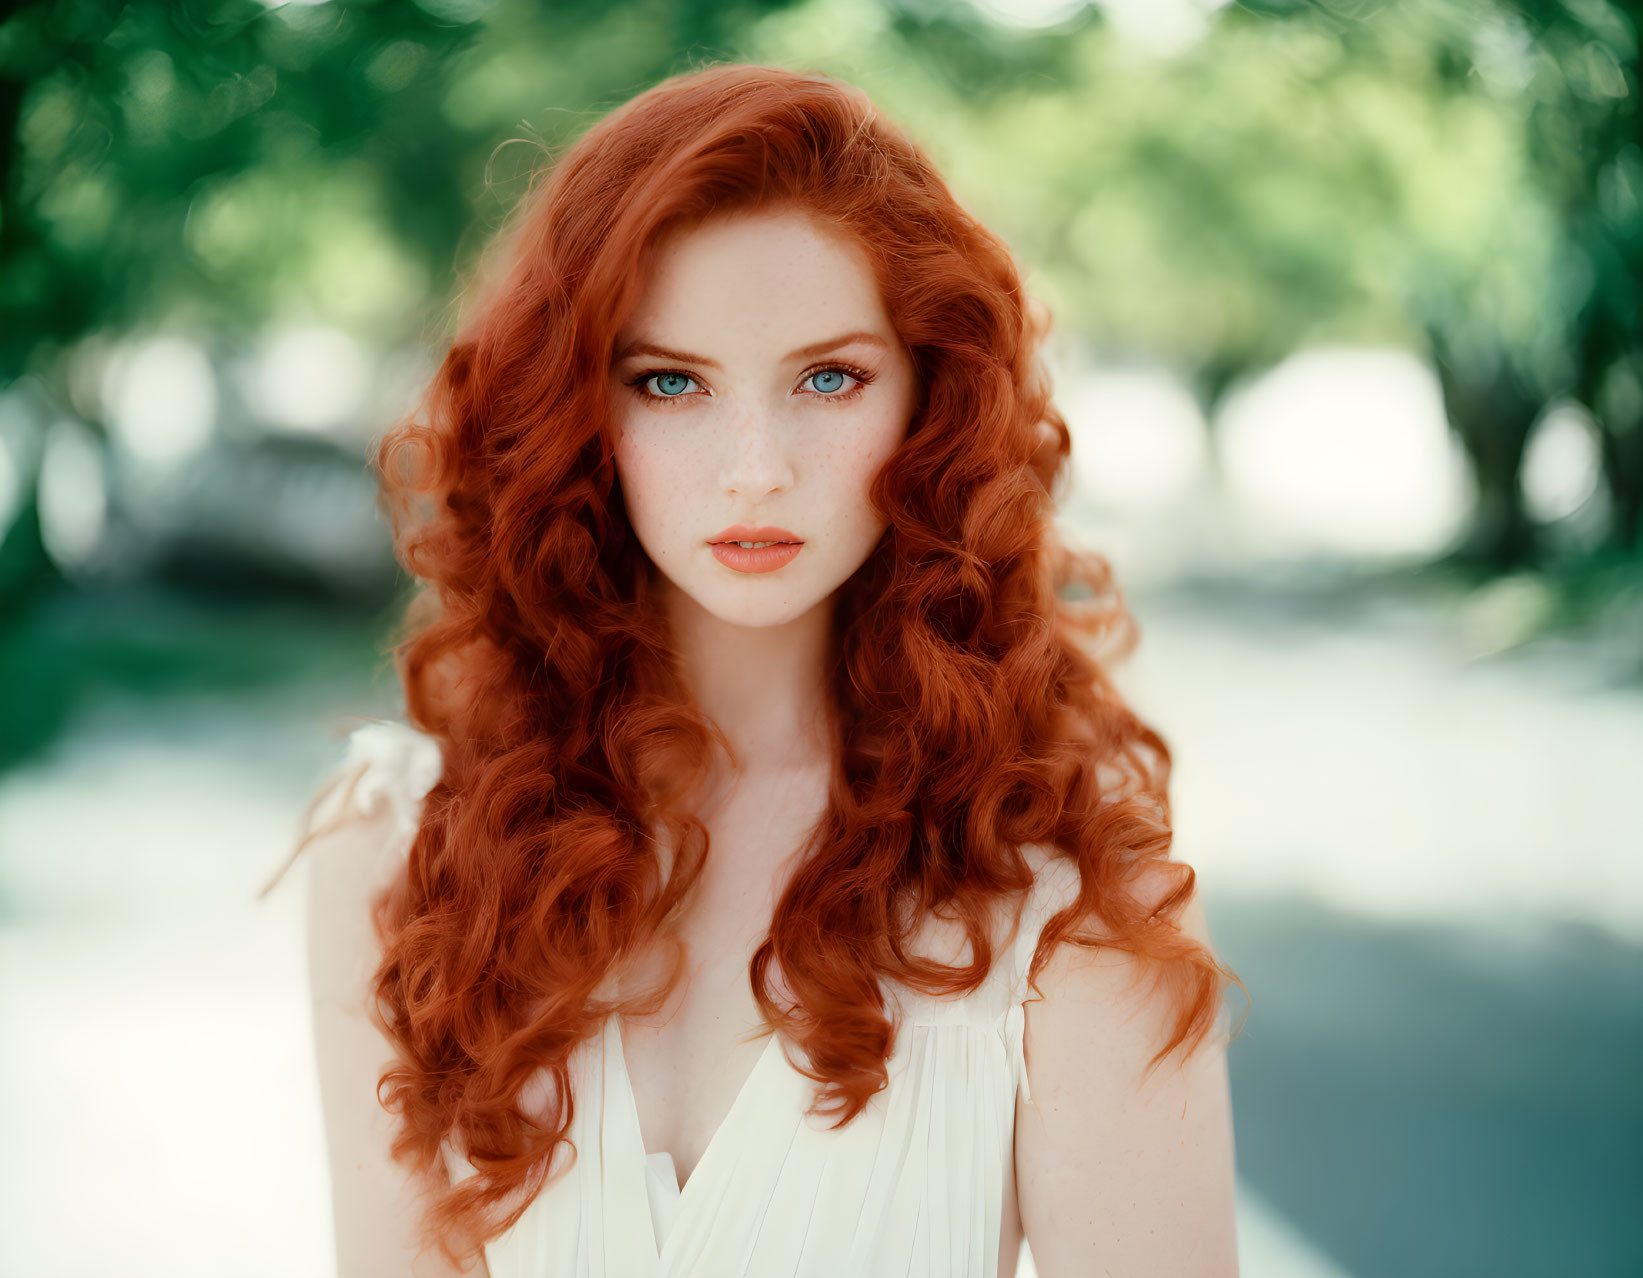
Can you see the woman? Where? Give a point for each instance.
(747, 698)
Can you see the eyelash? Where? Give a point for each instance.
(862, 376)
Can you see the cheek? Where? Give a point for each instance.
(642, 473)
(854, 463)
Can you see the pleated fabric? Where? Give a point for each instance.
(912, 1186)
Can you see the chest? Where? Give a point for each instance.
(687, 1075)
(688, 1061)
(922, 1181)
(689, 1066)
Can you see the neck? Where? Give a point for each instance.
(765, 687)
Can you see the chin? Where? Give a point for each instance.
(756, 600)
(754, 613)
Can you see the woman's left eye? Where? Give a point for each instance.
(830, 380)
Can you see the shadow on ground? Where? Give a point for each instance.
(1456, 1101)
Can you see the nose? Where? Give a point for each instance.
(757, 462)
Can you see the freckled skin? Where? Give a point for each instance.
(754, 441)
(757, 441)
(765, 438)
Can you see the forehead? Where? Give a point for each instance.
(762, 279)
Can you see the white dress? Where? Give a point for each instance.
(913, 1185)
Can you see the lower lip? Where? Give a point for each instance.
(759, 559)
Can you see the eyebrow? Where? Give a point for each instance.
(804, 352)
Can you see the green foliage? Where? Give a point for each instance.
(1461, 173)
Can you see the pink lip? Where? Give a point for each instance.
(759, 559)
(742, 532)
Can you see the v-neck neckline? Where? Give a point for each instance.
(712, 1152)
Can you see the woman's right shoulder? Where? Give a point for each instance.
(355, 834)
(358, 827)
(387, 766)
(363, 815)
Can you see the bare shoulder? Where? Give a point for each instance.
(351, 861)
(1119, 1171)
(1056, 878)
(355, 836)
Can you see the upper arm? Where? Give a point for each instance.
(377, 1202)
(1118, 1176)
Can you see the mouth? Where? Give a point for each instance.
(749, 538)
(755, 550)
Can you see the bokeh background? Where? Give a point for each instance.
(1347, 332)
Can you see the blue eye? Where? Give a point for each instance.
(677, 388)
(837, 392)
(672, 384)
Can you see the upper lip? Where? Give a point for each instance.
(741, 532)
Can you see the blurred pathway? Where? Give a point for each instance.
(1425, 871)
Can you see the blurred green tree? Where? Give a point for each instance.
(224, 164)
(1463, 174)
(1587, 142)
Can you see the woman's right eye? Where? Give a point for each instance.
(671, 384)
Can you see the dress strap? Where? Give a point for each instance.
(1054, 887)
(386, 765)
(390, 762)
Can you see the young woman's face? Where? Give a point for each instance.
(758, 383)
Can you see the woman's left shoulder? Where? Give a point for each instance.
(1089, 1047)
(1057, 879)
(1078, 972)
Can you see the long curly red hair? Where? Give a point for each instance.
(971, 709)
